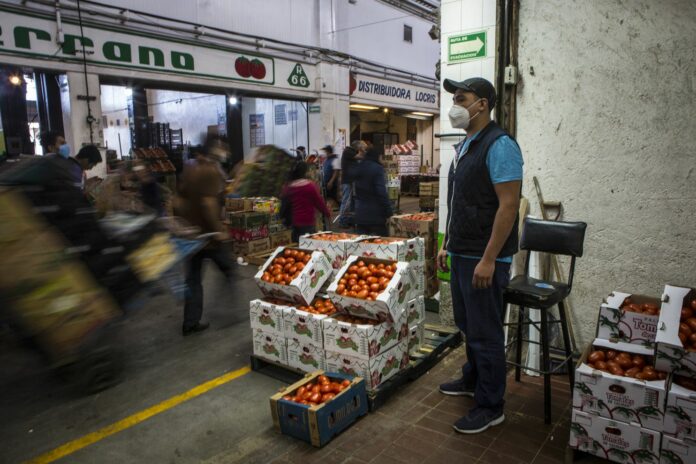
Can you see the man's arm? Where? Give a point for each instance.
(508, 206)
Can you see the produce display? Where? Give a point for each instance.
(284, 269)
(333, 237)
(319, 306)
(686, 382)
(687, 327)
(366, 282)
(355, 320)
(312, 394)
(420, 217)
(265, 175)
(645, 308)
(624, 364)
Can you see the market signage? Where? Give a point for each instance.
(380, 91)
(34, 35)
(465, 47)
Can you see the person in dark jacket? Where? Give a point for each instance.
(483, 198)
(331, 171)
(372, 205)
(304, 200)
(348, 164)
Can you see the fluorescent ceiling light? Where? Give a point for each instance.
(233, 101)
(356, 106)
(418, 113)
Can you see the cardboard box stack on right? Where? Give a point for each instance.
(634, 398)
(423, 225)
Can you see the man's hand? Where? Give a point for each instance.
(483, 274)
(442, 260)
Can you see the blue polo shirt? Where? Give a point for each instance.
(504, 165)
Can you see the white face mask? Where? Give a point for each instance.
(459, 116)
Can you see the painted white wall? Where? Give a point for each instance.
(605, 122)
(286, 136)
(114, 107)
(190, 111)
(461, 17)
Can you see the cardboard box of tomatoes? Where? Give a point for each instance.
(268, 316)
(375, 370)
(677, 451)
(614, 440)
(373, 288)
(335, 245)
(617, 381)
(676, 329)
(340, 400)
(362, 338)
(270, 346)
(305, 356)
(680, 413)
(305, 322)
(416, 225)
(293, 274)
(415, 311)
(408, 250)
(629, 318)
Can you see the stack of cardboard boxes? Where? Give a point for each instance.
(255, 225)
(646, 415)
(428, 193)
(423, 225)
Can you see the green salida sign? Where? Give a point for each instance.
(34, 35)
(466, 46)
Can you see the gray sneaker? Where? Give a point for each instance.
(478, 420)
(457, 388)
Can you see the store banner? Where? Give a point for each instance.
(376, 91)
(34, 35)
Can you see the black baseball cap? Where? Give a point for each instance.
(478, 85)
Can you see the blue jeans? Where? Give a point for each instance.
(479, 314)
(347, 205)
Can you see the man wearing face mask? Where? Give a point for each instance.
(483, 196)
(54, 144)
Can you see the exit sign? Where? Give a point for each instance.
(466, 47)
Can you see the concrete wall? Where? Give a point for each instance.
(192, 112)
(606, 121)
(286, 136)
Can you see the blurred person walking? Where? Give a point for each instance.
(300, 200)
(348, 166)
(372, 205)
(330, 174)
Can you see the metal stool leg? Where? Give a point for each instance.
(566, 343)
(546, 367)
(518, 352)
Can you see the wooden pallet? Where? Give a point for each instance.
(439, 342)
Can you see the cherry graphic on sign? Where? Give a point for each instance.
(353, 85)
(243, 66)
(258, 70)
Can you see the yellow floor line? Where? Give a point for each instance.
(130, 421)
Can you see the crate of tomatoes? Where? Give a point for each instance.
(363, 338)
(629, 318)
(318, 407)
(334, 245)
(618, 381)
(304, 322)
(676, 329)
(680, 414)
(397, 249)
(293, 274)
(373, 288)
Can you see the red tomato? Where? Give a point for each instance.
(345, 383)
(301, 391)
(315, 398)
(326, 397)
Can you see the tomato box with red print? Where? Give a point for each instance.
(415, 310)
(270, 346)
(676, 451)
(335, 245)
(680, 413)
(305, 356)
(304, 322)
(293, 274)
(408, 250)
(268, 316)
(362, 338)
(373, 288)
(629, 318)
(376, 370)
(676, 329)
(617, 381)
(614, 440)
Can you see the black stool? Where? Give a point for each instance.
(555, 237)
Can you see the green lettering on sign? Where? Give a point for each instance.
(157, 55)
(297, 77)
(117, 51)
(70, 43)
(22, 39)
(466, 47)
(182, 60)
